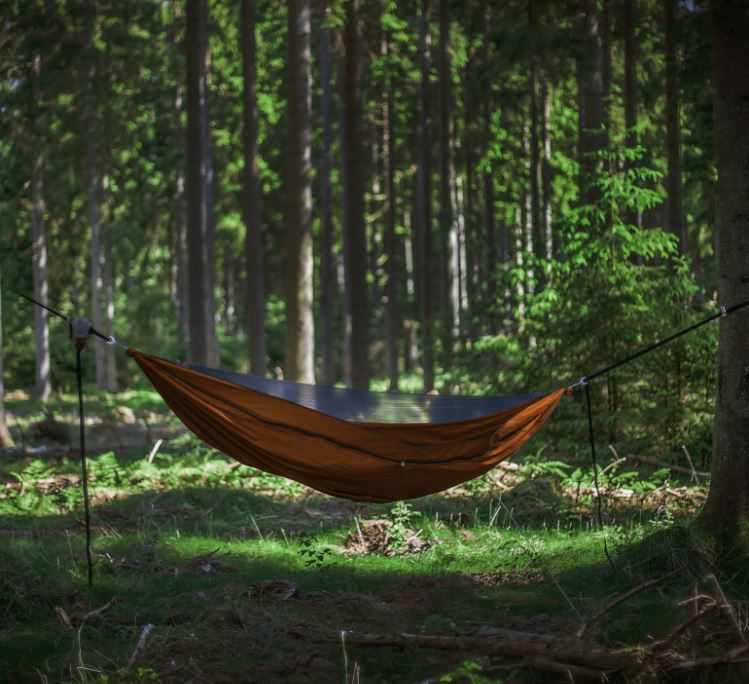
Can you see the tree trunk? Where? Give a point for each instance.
(202, 347)
(5, 438)
(447, 180)
(423, 209)
(255, 295)
(536, 169)
(353, 197)
(107, 276)
(590, 73)
(546, 172)
(327, 260)
(300, 332)
(727, 507)
(674, 210)
(43, 382)
(180, 224)
(391, 239)
(633, 216)
(97, 283)
(496, 252)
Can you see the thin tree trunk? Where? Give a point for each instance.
(5, 437)
(300, 331)
(97, 282)
(496, 250)
(447, 173)
(391, 239)
(423, 213)
(592, 138)
(546, 172)
(727, 507)
(634, 216)
(180, 224)
(353, 197)
(255, 294)
(202, 347)
(42, 382)
(209, 294)
(327, 261)
(110, 356)
(674, 210)
(536, 169)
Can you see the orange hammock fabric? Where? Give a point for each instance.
(364, 461)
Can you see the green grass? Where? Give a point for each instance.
(513, 549)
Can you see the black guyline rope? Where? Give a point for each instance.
(91, 331)
(628, 359)
(84, 469)
(592, 439)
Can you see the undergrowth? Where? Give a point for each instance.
(247, 576)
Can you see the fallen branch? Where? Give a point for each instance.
(575, 672)
(728, 608)
(660, 464)
(513, 645)
(617, 600)
(664, 644)
(694, 663)
(140, 647)
(80, 619)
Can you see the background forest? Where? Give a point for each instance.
(462, 196)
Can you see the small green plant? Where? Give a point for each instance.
(315, 556)
(401, 515)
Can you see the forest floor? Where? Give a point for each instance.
(208, 571)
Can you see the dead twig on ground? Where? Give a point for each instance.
(660, 464)
(140, 646)
(670, 639)
(621, 598)
(513, 645)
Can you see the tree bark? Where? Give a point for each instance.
(102, 300)
(300, 332)
(255, 295)
(391, 239)
(202, 346)
(727, 507)
(590, 73)
(327, 261)
(42, 381)
(634, 216)
(447, 181)
(353, 197)
(5, 437)
(546, 171)
(536, 168)
(92, 170)
(674, 209)
(423, 209)
(180, 223)
(107, 276)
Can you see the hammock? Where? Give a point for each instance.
(348, 443)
